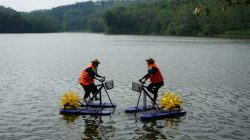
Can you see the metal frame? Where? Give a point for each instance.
(99, 91)
(147, 94)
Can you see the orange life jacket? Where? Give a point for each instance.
(155, 77)
(85, 78)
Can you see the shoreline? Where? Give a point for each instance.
(214, 36)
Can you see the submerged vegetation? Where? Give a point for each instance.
(155, 17)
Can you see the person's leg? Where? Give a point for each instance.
(94, 91)
(154, 88)
(150, 87)
(87, 91)
(155, 91)
(157, 86)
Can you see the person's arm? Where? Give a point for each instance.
(150, 71)
(98, 77)
(146, 77)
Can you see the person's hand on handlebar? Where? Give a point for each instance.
(141, 81)
(101, 78)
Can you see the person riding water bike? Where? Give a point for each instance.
(87, 79)
(156, 78)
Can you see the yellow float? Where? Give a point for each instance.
(70, 100)
(171, 102)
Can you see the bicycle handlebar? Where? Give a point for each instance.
(142, 82)
(101, 80)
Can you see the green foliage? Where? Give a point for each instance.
(169, 17)
(242, 33)
(84, 16)
(154, 17)
(119, 22)
(15, 22)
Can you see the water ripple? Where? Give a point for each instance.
(212, 75)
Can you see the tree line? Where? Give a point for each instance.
(168, 17)
(12, 21)
(155, 17)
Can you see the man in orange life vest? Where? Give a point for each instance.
(156, 78)
(87, 79)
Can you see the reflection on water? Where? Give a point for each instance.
(153, 130)
(211, 74)
(70, 118)
(172, 122)
(93, 126)
(95, 129)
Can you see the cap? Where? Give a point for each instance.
(96, 61)
(150, 60)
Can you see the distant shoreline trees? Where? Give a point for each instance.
(218, 5)
(12, 21)
(168, 17)
(142, 17)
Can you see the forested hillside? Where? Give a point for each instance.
(83, 16)
(176, 18)
(156, 17)
(12, 21)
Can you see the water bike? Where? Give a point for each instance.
(87, 108)
(158, 113)
(140, 87)
(106, 86)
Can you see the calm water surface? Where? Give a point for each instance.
(212, 76)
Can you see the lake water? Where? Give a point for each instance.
(211, 74)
